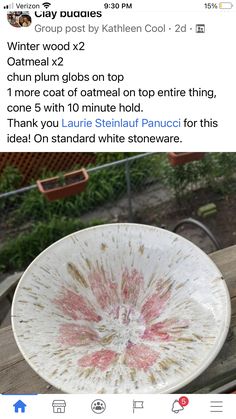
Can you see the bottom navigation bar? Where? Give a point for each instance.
(117, 406)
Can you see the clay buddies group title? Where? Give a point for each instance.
(52, 14)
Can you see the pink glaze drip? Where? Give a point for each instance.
(157, 331)
(165, 331)
(99, 359)
(76, 306)
(140, 356)
(72, 334)
(120, 309)
(153, 307)
(131, 285)
(103, 289)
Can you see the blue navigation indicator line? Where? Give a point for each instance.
(22, 395)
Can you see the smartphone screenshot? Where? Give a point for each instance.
(117, 209)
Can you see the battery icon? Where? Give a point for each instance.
(226, 5)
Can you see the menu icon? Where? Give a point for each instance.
(216, 406)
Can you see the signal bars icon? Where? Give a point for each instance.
(46, 5)
(9, 6)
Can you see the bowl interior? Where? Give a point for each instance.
(121, 308)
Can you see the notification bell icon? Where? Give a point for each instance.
(180, 404)
(176, 407)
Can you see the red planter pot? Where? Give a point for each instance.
(176, 159)
(73, 183)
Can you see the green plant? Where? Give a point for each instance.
(10, 179)
(103, 158)
(146, 171)
(104, 186)
(226, 172)
(215, 171)
(179, 178)
(17, 253)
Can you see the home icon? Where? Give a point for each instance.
(19, 406)
(59, 406)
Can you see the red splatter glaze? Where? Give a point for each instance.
(131, 285)
(166, 330)
(140, 356)
(99, 359)
(74, 335)
(76, 306)
(156, 331)
(103, 289)
(154, 306)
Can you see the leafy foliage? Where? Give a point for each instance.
(104, 186)
(215, 170)
(49, 221)
(10, 179)
(19, 252)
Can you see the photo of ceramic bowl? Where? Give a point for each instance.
(121, 308)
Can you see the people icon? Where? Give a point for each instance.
(98, 406)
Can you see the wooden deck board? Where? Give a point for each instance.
(8, 283)
(17, 377)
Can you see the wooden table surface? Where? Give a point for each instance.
(16, 377)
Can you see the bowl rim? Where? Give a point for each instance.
(223, 332)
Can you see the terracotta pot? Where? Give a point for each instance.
(182, 158)
(73, 183)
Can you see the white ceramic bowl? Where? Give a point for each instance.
(121, 308)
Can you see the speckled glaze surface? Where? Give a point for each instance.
(121, 308)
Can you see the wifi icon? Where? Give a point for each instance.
(46, 5)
